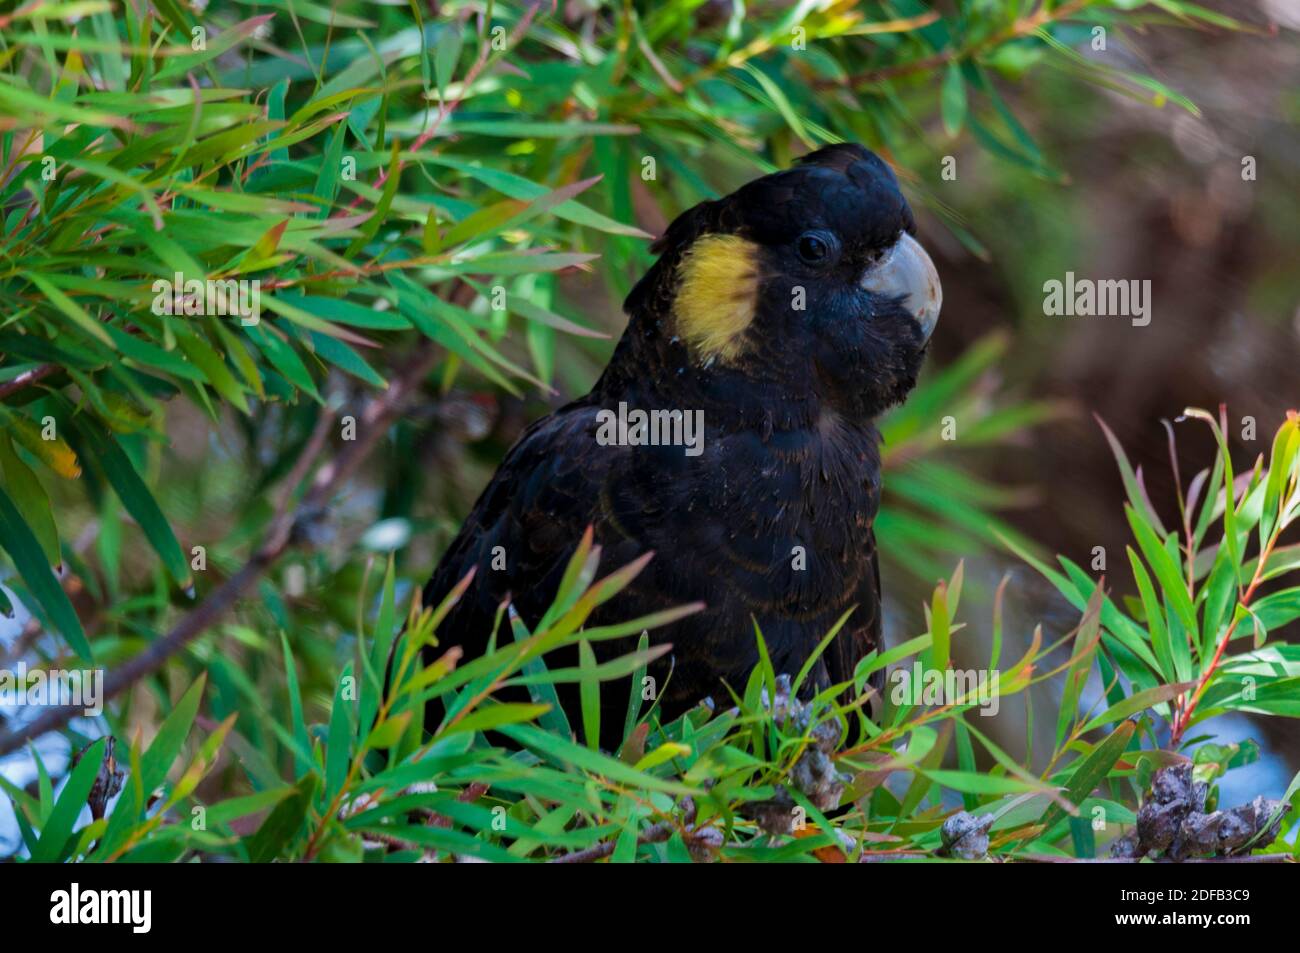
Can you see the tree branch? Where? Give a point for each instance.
(371, 425)
(654, 834)
(27, 379)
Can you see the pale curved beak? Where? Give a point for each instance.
(907, 272)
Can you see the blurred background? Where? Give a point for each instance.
(1148, 193)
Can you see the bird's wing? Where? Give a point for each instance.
(526, 525)
(862, 633)
(714, 541)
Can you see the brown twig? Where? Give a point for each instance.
(371, 425)
(1024, 26)
(654, 834)
(27, 379)
(22, 645)
(445, 108)
(1183, 716)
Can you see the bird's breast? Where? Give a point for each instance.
(772, 524)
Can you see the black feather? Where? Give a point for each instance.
(790, 462)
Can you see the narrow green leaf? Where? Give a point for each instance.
(1171, 581)
(1137, 702)
(30, 498)
(103, 450)
(18, 540)
(1089, 771)
(282, 825)
(952, 99)
(446, 53)
(589, 688)
(338, 754)
(57, 832)
(302, 750)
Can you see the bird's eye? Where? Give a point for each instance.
(814, 248)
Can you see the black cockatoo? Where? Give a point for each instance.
(783, 319)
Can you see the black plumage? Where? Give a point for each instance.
(789, 465)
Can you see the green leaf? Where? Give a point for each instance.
(952, 99)
(566, 752)
(285, 360)
(976, 783)
(543, 694)
(446, 53)
(30, 498)
(166, 745)
(388, 732)
(1085, 647)
(346, 312)
(203, 356)
(70, 309)
(1138, 702)
(343, 356)
(338, 753)
(282, 825)
(1220, 594)
(940, 629)
(57, 832)
(1278, 608)
(1155, 619)
(376, 664)
(517, 187)
(1137, 499)
(1171, 581)
(380, 214)
(495, 715)
(1089, 771)
(589, 688)
(331, 169)
(634, 692)
(528, 129)
(18, 540)
(103, 450)
(302, 751)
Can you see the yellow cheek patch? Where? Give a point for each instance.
(717, 295)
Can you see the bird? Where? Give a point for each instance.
(777, 323)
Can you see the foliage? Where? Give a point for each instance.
(1196, 596)
(383, 176)
(359, 181)
(368, 784)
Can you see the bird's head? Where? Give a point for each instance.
(808, 279)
